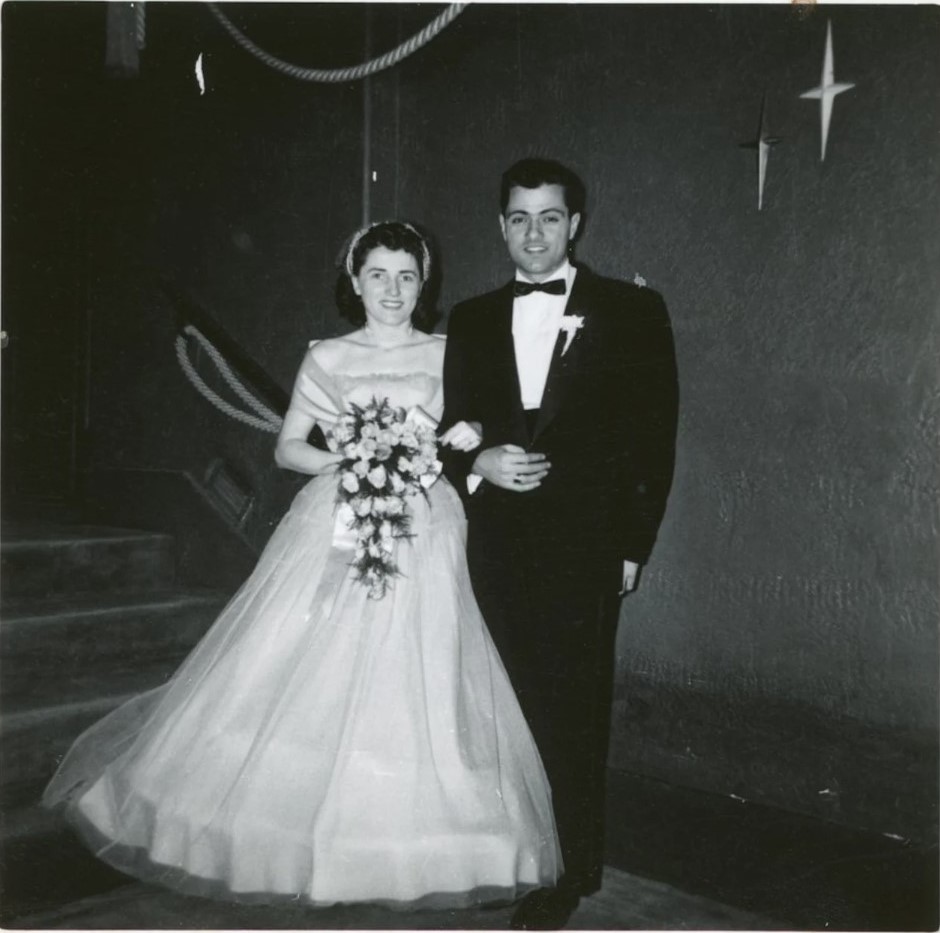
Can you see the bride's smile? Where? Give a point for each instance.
(389, 283)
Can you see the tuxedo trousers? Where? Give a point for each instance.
(549, 598)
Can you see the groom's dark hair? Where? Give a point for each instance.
(533, 173)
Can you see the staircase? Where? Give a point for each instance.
(90, 617)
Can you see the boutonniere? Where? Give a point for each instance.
(570, 325)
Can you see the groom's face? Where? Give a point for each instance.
(537, 229)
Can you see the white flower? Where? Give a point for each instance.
(569, 326)
(350, 482)
(404, 465)
(378, 476)
(363, 507)
(395, 506)
(398, 484)
(360, 467)
(429, 473)
(639, 280)
(341, 432)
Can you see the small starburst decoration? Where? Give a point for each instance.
(827, 90)
(763, 144)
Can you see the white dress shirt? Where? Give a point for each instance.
(536, 320)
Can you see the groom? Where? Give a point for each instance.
(572, 377)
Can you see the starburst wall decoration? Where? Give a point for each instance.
(763, 144)
(826, 91)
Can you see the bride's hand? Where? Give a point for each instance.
(329, 462)
(464, 435)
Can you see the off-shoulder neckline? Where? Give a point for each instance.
(387, 375)
(346, 338)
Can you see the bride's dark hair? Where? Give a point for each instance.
(393, 235)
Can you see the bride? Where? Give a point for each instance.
(339, 735)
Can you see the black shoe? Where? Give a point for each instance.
(544, 909)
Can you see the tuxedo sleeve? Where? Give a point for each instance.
(649, 422)
(459, 395)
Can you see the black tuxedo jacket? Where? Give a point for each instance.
(607, 422)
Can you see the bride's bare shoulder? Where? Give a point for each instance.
(430, 350)
(329, 353)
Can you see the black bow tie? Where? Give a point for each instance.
(554, 287)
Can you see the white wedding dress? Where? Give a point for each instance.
(323, 746)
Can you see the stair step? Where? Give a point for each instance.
(44, 865)
(91, 618)
(43, 559)
(30, 822)
(64, 649)
(34, 741)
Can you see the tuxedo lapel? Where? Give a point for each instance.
(506, 384)
(563, 364)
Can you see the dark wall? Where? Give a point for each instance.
(238, 198)
(783, 644)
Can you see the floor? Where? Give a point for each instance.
(807, 873)
(677, 860)
(625, 902)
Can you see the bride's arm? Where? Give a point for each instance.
(294, 453)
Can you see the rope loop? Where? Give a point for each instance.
(264, 419)
(339, 75)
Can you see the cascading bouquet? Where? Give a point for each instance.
(389, 454)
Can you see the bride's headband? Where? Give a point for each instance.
(359, 234)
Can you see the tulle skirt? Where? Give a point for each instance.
(326, 747)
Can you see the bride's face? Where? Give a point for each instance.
(389, 284)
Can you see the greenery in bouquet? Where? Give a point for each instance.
(389, 454)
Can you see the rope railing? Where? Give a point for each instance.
(263, 418)
(354, 72)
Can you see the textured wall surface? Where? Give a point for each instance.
(783, 645)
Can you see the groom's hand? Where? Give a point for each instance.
(510, 467)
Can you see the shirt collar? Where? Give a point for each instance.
(565, 271)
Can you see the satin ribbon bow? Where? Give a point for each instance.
(554, 287)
